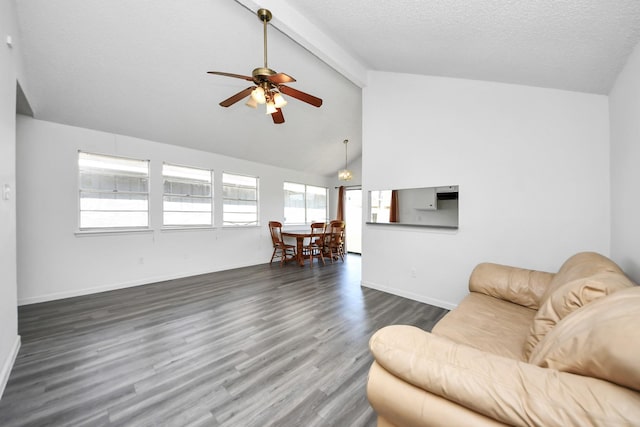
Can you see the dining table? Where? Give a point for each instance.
(299, 236)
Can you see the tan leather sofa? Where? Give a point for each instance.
(523, 348)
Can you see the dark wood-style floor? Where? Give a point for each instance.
(255, 346)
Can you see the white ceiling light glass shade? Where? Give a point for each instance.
(258, 95)
(278, 100)
(251, 103)
(345, 174)
(271, 108)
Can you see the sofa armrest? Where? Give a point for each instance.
(507, 390)
(517, 285)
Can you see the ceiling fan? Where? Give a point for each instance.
(269, 85)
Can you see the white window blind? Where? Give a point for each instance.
(240, 200)
(187, 196)
(113, 192)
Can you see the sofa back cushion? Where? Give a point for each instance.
(570, 297)
(579, 266)
(601, 340)
(512, 284)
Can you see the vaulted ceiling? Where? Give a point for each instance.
(139, 67)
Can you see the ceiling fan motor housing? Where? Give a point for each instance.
(261, 73)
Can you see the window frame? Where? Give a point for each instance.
(257, 200)
(211, 197)
(307, 220)
(80, 191)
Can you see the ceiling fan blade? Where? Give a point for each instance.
(237, 97)
(277, 117)
(305, 97)
(237, 76)
(280, 78)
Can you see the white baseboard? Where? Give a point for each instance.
(111, 287)
(8, 365)
(410, 295)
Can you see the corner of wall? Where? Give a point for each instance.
(10, 71)
(5, 372)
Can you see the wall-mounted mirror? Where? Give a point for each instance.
(425, 206)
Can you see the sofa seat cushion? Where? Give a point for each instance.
(601, 340)
(569, 298)
(488, 324)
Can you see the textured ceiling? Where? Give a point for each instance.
(138, 67)
(578, 45)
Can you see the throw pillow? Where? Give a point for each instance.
(600, 340)
(570, 297)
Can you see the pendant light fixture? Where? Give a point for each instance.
(345, 174)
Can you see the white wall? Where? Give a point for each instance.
(55, 262)
(624, 115)
(10, 72)
(532, 165)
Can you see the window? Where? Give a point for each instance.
(187, 198)
(240, 204)
(113, 191)
(316, 198)
(380, 205)
(294, 206)
(304, 204)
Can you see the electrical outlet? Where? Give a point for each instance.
(413, 272)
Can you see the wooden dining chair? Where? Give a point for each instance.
(315, 248)
(335, 239)
(281, 250)
(319, 228)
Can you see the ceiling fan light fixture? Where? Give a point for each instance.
(268, 84)
(258, 95)
(278, 100)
